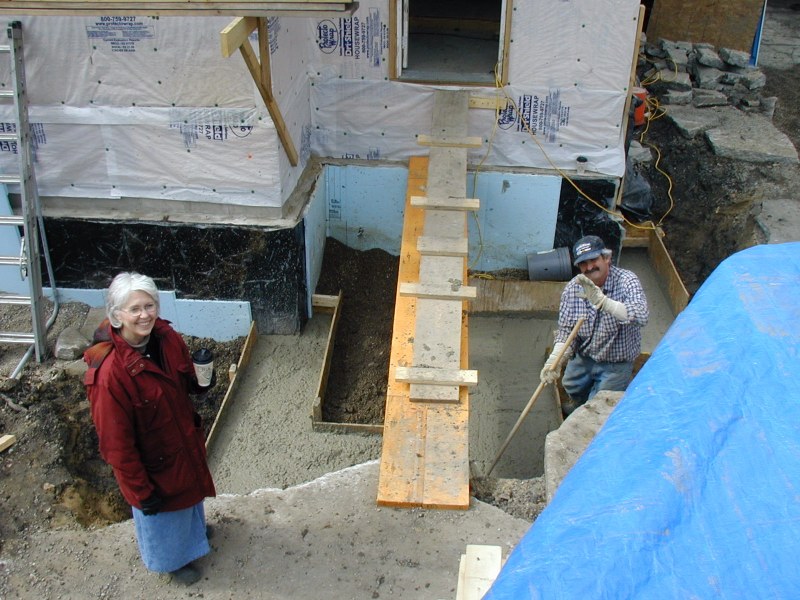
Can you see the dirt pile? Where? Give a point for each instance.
(360, 363)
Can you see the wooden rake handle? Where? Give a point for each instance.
(535, 396)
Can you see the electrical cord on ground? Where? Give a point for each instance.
(566, 176)
(656, 111)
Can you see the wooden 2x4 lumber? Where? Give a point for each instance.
(665, 268)
(442, 203)
(439, 291)
(493, 102)
(450, 141)
(264, 86)
(443, 246)
(236, 33)
(437, 376)
(7, 441)
(234, 376)
(496, 295)
(233, 8)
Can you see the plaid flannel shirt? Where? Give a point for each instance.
(601, 337)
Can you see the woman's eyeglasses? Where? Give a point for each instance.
(136, 311)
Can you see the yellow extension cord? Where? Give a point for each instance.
(655, 112)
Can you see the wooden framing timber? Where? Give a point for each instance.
(436, 376)
(516, 296)
(192, 8)
(443, 246)
(235, 35)
(446, 141)
(543, 297)
(6, 441)
(442, 203)
(234, 373)
(631, 83)
(488, 102)
(332, 305)
(438, 291)
(653, 240)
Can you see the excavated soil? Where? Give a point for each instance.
(360, 362)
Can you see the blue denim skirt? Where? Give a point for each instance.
(169, 540)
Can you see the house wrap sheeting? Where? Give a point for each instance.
(147, 107)
(692, 487)
(569, 70)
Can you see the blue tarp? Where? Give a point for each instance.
(692, 487)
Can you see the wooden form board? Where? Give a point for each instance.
(439, 203)
(234, 375)
(438, 291)
(425, 460)
(331, 304)
(653, 240)
(450, 141)
(502, 295)
(436, 376)
(543, 297)
(729, 24)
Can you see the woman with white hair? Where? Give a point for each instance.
(139, 379)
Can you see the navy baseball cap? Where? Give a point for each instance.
(587, 248)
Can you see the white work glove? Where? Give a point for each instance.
(552, 370)
(591, 292)
(598, 299)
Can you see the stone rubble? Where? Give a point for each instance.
(716, 94)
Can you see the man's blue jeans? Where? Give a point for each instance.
(584, 377)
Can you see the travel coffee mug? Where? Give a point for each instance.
(203, 366)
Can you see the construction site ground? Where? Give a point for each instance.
(63, 526)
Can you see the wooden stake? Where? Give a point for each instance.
(6, 441)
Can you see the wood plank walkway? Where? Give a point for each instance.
(425, 458)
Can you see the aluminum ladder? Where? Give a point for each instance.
(33, 243)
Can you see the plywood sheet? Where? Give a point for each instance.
(731, 24)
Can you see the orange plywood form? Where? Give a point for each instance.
(425, 459)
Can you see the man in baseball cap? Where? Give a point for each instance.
(586, 248)
(612, 302)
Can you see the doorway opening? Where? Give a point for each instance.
(451, 41)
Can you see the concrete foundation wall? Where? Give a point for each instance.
(518, 213)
